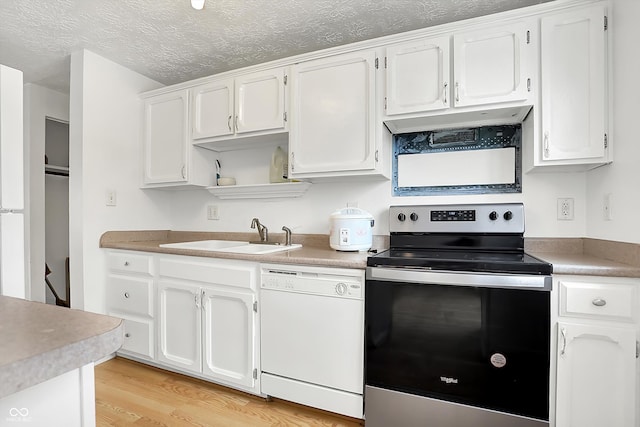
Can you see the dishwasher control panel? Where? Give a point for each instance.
(313, 280)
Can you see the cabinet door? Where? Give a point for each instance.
(491, 65)
(260, 101)
(212, 109)
(573, 83)
(165, 138)
(179, 325)
(596, 375)
(334, 110)
(417, 76)
(229, 334)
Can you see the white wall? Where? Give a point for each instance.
(310, 213)
(105, 154)
(39, 103)
(621, 179)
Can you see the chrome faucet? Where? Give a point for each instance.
(287, 235)
(262, 230)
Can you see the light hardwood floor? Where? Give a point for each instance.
(131, 393)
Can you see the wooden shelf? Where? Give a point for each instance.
(260, 191)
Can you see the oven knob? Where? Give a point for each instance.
(401, 217)
(507, 215)
(493, 215)
(413, 216)
(341, 288)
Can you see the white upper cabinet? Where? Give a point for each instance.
(166, 138)
(333, 116)
(418, 76)
(492, 65)
(475, 68)
(212, 109)
(260, 101)
(574, 87)
(170, 160)
(234, 107)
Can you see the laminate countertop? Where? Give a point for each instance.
(42, 341)
(579, 256)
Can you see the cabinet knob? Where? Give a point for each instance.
(599, 302)
(126, 294)
(126, 263)
(127, 335)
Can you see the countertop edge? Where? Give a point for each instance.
(25, 373)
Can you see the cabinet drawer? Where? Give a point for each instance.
(130, 295)
(130, 263)
(614, 301)
(240, 274)
(138, 337)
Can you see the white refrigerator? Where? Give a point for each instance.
(12, 224)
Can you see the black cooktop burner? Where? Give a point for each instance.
(461, 261)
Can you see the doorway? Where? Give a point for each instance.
(57, 212)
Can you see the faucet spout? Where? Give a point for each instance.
(287, 235)
(263, 231)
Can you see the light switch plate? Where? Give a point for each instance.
(110, 198)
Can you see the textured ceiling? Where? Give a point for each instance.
(170, 42)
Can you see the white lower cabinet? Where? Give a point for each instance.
(229, 319)
(194, 315)
(179, 325)
(207, 319)
(130, 296)
(596, 353)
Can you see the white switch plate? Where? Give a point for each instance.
(565, 209)
(110, 198)
(213, 212)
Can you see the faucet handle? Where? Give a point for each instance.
(287, 235)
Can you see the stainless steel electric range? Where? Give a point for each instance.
(457, 321)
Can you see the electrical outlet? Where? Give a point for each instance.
(606, 207)
(213, 212)
(565, 209)
(110, 198)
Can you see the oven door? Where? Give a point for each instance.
(475, 339)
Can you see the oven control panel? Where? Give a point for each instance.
(475, 218)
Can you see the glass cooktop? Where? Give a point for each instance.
(461, 260)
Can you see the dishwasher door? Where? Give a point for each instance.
(317, 339)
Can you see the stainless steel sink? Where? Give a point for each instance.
(231, 246)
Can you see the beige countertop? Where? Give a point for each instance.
(41, 341)
(315, 249)
(580, 256)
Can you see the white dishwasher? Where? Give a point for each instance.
(312, 336)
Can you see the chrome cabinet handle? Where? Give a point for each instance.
(183, 171)
(563, 332)
(599, 302)
(457, 92)
(444, 93)
(229, 123)
(126, 295)
(202, 304)
(546, 144)
(197, 300)
(236, 122)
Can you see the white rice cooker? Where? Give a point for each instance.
(351, 230)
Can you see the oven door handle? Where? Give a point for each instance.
(503, 281)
